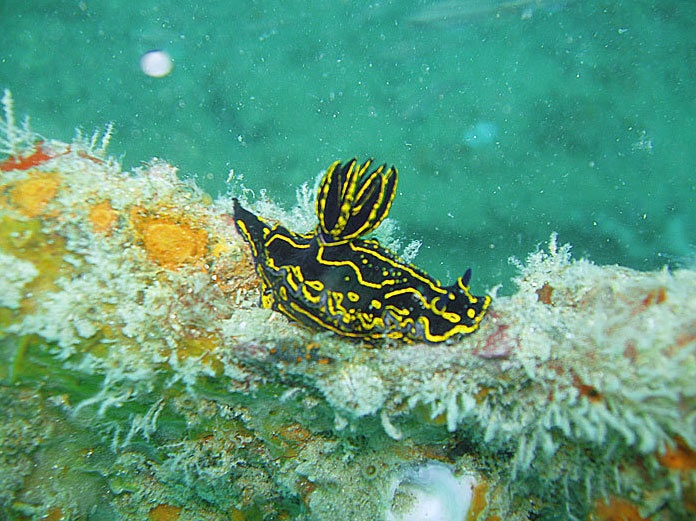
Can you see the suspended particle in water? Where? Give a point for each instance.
(156, 64)
(481, 134)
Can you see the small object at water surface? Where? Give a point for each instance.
(333, 279)
(156, 64)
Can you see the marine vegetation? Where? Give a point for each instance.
(141, 380)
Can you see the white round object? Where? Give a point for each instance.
(156, 64)
(430, 492)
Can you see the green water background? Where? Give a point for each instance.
(506, 122)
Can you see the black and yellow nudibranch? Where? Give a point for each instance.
(333, 279)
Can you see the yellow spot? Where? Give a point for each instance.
(103, 218)
(54, 514)
(31, 195)
(352, 296)
(170, 242)
(376, 304)
(679, 457)
(618, 509)
(220, 249)
(478, 502)
(26, 240)
(198, 345)
(164, 513)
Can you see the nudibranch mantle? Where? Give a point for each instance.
(333, 279)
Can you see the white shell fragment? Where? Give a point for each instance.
(430, 492)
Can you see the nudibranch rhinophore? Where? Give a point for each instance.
(332, 278)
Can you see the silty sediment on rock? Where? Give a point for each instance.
(137, 365)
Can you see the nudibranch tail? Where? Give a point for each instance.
(351, 202)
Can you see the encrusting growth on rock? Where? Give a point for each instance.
(140, 378)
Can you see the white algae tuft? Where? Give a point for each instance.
(140, 379)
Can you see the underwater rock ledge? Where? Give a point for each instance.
(140, 379)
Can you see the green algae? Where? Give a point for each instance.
(162, 389)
